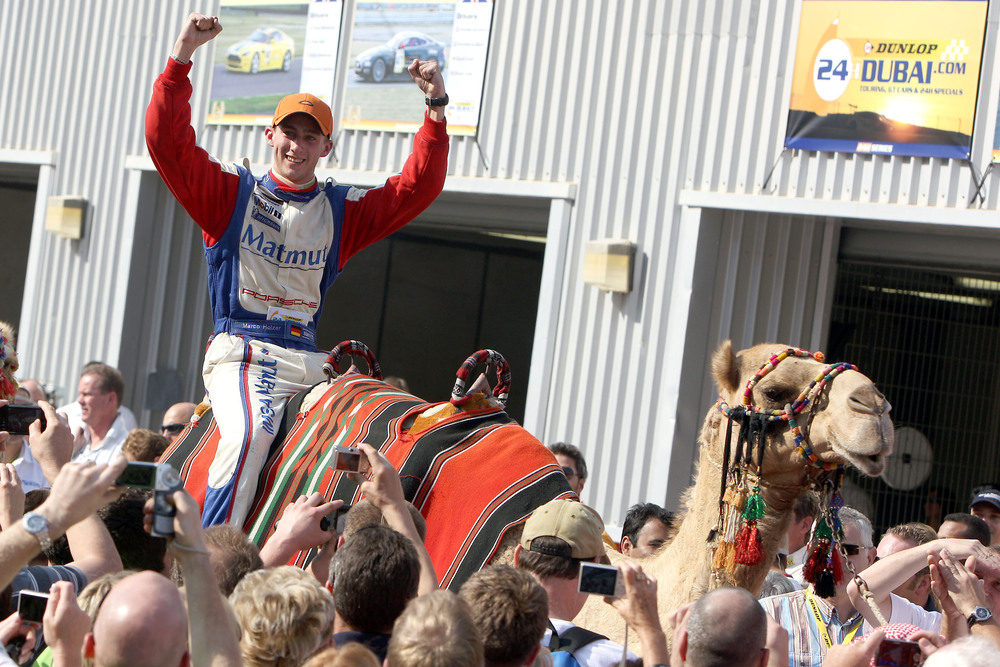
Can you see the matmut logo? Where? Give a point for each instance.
(277, 252)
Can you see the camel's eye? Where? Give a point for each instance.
(776, 394)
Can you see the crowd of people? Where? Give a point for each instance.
(370, 596)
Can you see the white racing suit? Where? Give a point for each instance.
(272, 253)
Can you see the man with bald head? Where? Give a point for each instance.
(34, 389)
(143, 623)
(176, 418)
(727, 627)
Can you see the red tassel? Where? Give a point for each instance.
(8, 389)
(816, 562)
(837, 565)
(748, 549)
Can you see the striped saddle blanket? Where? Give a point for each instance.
(473, 476)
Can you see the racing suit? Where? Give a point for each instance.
(272, 253)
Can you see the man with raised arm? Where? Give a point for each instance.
(274, 244)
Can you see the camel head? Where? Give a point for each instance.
(845, 422)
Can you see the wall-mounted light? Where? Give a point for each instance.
(64, 216)
(607, 264)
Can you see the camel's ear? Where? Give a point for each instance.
(724, 368)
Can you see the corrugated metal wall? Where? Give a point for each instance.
(635, 101)
(76, 79)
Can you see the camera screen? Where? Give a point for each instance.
(348, 458)
(597, 579)
(898, 653)
(31, 605)
(138, 475)
(15, 419)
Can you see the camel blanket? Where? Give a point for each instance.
(473, 476)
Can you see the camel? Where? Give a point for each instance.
(847, 424)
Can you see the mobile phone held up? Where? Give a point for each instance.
(599, 579)
(15, 419)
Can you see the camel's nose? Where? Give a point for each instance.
(868, 400)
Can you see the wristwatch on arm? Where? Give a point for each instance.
(37, 525)
(979, 615)
(437, 101)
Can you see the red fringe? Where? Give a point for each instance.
(816, 562)
(748, 548)
(838, 570)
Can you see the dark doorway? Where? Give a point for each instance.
(426, 298)
(928, 338)
(18, 188)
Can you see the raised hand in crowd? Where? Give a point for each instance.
(65, 626)
(300, 528)
(11, 496)
(212, 637)
(77, 492)
(961, 592)
(381, 486)
(13, 628)
(52, 448)
(638, 608)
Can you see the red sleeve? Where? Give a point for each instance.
(197, 181)
(371, 215)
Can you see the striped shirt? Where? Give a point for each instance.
(805, 644)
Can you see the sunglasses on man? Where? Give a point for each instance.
(173, 429)
(854, 549)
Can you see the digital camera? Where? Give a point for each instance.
(599, 579)
(163, 480)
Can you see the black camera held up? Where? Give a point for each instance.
(163, 480)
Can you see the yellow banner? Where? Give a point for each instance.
(887, 76)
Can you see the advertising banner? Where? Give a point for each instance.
(387, 36)
(271, 49)
(896, 77)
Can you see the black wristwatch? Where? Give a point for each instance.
(979, 615)
(436, 101)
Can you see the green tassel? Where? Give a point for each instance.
(823, 529)
(755, 507)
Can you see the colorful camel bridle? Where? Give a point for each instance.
(736, 539)
(804, 400)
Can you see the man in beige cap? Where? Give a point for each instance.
(557, 537)
(274, 243)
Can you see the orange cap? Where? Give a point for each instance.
(307, 104)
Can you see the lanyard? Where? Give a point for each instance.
(824, 633)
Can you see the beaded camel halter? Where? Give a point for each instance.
(735, 536)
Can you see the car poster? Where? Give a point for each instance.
(890, 77)
(269, 49)
(380, 94)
